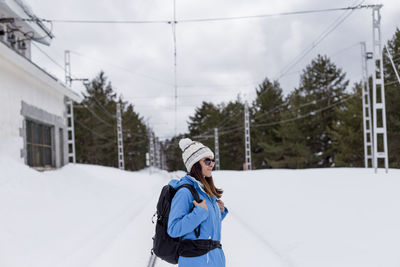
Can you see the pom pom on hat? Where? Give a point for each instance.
(193, 151)
(184, 143)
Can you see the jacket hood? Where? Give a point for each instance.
(187, 179)
(184, 180)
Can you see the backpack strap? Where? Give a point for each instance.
(192, 190)
(197, 198)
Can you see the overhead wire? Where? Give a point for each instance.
(338, 21)
(90, 130)
(229, 18)
(49, 57)
(261, 16)
(334, 25)
(311, 113)
(122, 68)
(305, 115)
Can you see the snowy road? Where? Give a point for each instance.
(87, 215)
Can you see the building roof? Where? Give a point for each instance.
(34, 70)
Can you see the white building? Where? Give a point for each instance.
(33, 110)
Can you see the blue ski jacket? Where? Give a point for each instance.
(182, 222)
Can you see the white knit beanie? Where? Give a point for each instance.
(193, 152)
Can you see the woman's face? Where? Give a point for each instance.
(207, 164)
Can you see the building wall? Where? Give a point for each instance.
(24, 95)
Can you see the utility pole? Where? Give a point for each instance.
(216, 144)
(121, 162)
(378, 93)
(70, 131)
(366, 101)
(70, 108)
(157, 153)
(70, 112)
(164, 160)
(247, 137)
(151, 147)
(67, 68)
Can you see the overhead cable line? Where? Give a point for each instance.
(311, 113)
(315, 101)
(331, 27)
(90, 130)
(320, 38)
(49, 57)
(103, 108)
(94, 114)
(336, 23)
(122, 68)
(279, 14)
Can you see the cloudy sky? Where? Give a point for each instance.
(216, 60)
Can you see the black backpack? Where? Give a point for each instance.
(164, 246)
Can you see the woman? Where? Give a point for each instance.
(186, 214)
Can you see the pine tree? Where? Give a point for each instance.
(346, 133)
(291, 150)
(322, 85)
(96, 130)
(174, 153)
(266, 112)
(231, 135)
(135, 139)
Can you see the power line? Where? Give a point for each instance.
(49, 57)
(321, 37)
(85, 21)
(336, 23)
(94, 114)
(278, 14)
(103, 108)
(90, 130)
(311, 113)
(122, 68)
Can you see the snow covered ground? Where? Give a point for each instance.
(85, 215)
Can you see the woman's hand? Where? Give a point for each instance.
(201, 204)
(221, 205)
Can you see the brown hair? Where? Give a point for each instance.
(208, 182)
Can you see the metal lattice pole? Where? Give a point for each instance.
(67, 68)
(366, 101)
(216, 143)
(151, 147)
(121, 162)
(157, 153)
(247, 137)
(164, 160)
(70, 131)
(378, 93)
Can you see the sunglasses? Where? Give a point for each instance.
(208, 161)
